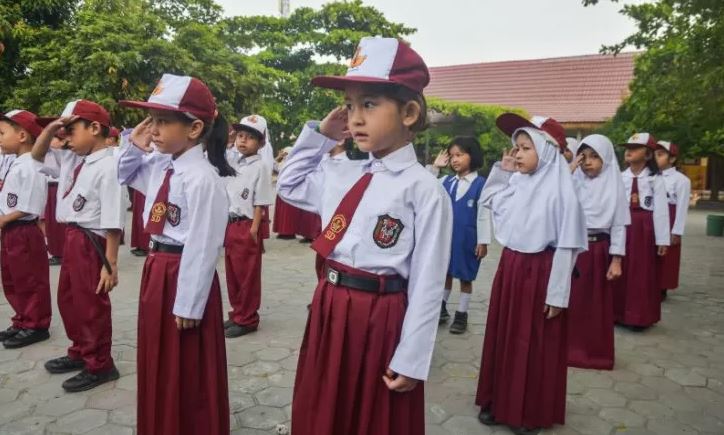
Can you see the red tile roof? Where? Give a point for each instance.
(578, 89)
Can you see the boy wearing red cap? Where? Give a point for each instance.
(25, 273)
(91, 205)
(678, 191)
(373, 320)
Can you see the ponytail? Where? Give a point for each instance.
(651, 163)
(215, 141)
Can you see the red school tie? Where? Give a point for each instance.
(157, 217)
(634, 202)
(76, 171)
(337, 226)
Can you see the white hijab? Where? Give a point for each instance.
(603, 198)
(541, 209)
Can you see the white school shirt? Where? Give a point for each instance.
(24, 188)
(400, 192)
(196, 218)
(5, 161)
(652, 197)
(95, 201)
(59, 164)
(678, 191)
(251, 187)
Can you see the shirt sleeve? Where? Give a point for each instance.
(433, 170)
(113, 212)
(683, 193)
(483, 224)
(618, 240)
(208, 210)
(428, 267)
(263, 191)
(661, 212)
(301, 180)
(559, 283)
(497, 181)
(135, 165)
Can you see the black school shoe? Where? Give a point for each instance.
(460, 323)
(138, 252)
(444, 315)
(86, 380)
(9, 333)
(26, 337)
(524, 431)
(64, 364)
(486, 417)
(229, 323)
(235, 330)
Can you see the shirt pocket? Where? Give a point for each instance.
(389, 232)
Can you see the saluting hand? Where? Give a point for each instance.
(61, 122)
(578, 161)
(334, 125)
(141, 135)
(442, 159)
(507, 163)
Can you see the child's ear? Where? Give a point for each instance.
(24, 136)
(411, 112)
(197, 128)
(96, 128)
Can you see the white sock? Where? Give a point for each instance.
(446, 295)
(464, 302)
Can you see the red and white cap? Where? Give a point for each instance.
(253, 122)
(184, 94)
(25, 119)
(114, 132)
(508, 123)
(641, 140)
(671, 148)
(83, 109)
(381, 60)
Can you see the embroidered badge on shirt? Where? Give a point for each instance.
(79, 203)
(337, 224)
(648, 201)
(173, 214)
(157, 212)
(12, 200)
(245, 193)
(471, 203)
(387, 231)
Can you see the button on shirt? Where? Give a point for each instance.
(196, 217)
(652, 197)
(678, 191)
(251, 187)
(24, 188)
(95, 201)
(401, 194)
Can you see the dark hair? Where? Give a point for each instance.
(651, 162)
(214, 137)
(469, 145)
(260, 137)
(402, 96)
(105, 130)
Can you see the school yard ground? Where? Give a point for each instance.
(667, 380)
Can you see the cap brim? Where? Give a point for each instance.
(508, 123)
(342, 82)
(43, 121)
(146, 105)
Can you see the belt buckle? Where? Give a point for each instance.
(151, 244)
(592, 238)
(332, 276)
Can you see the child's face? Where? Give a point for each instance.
(376, 122)
(247, 143)
(636, 154)
(83, 136)
(526, 157)
(592, 164)
(171, 135)
(459, 160)
(663, 159)
(10, 138)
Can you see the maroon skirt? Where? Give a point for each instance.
(309, 225)
(523, 371)
(139, 237)
(670, 263)
(54, 230)
(286, 217)
(590, 311)
(637, 295)
(349, 341)
(182, 381)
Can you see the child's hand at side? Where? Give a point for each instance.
(614, 269)
(481, 251)
(550, 311)
(399, 383)
(662, 250)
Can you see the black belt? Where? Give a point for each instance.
(234, 219)
(52, 183)
(165, 247)
(598, 237)
(20, 223)
(372, 285)
(96, 245)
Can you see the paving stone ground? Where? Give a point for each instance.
(667, 380)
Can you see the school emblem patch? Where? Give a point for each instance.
(245, 193)
(12, 200)
(157, 212)
(79, 202)
(336, 225)
(471, 203)
(173, 214)
(358, 58)
(648, 201)
(387, 231)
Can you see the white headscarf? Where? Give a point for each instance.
(541, 209)
(603, 198)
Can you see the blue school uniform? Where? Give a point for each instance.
(464, 264)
